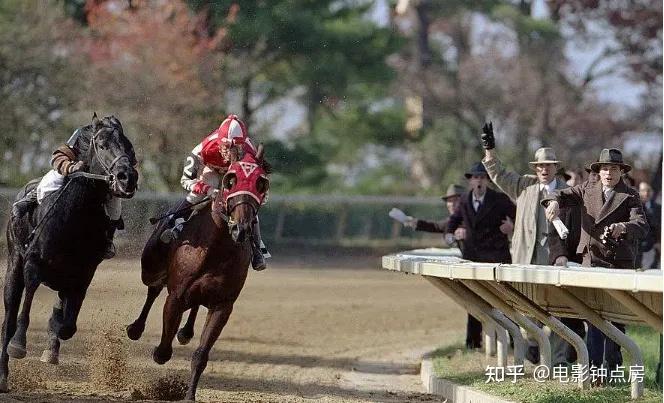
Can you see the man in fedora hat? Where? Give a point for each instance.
(609, 206)
(483, 212)
(451, 199)
(532, 232)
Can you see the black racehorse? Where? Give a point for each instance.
(61, 242)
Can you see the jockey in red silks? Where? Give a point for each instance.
(204, 170)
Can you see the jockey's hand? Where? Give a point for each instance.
(617, 229)
(561, 261)
(460, 234)
(449, 239)
(552, 210)
(75, 166)
(201, 188)
(488, 140)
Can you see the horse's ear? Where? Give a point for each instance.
(259, 152)
(95, 119)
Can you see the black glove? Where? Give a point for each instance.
(488, 141)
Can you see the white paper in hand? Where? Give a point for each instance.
(398, 215)
(561, 228)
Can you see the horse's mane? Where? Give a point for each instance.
(267, 167)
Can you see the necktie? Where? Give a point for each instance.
(608, 192)
(478, 204)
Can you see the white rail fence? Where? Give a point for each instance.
(502, 295)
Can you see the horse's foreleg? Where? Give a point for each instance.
(52, 354)
(187, 331)
(171, 320)
(215, 322)
(12, 299)
(72, 307)
(135, 330)
(16, 347)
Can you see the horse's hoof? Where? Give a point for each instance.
(184, 336)
(49, 357)
(135, 331)
(4, 387)
(161, 356)
(16, 351)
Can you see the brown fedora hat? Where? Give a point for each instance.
(453, 190)
(610, 156)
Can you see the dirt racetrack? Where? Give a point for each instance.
(307, 329)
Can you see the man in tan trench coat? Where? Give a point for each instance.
(530, 242)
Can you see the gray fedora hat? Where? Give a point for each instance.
(610, 156)
(453, 190)
(545, 155)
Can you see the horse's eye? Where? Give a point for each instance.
(230, 182)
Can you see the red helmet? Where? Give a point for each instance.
(232, 131)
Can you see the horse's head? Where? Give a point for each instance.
(244, 188)
(111, 153)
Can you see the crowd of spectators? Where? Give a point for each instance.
(501, 216)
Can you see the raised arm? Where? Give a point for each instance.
(511, 183)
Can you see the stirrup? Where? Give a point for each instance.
(257, 260)
(171, 234)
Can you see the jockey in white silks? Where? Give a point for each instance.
(65, 161)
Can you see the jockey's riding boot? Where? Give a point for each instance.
(22, 205)
(110, 247)
(258, 250)
(171, 234)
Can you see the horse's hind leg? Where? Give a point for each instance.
(215, 322)
(52, 354)
(16, 347)
(171, 320)
(135, 330)
(12, 298)
(187, 331)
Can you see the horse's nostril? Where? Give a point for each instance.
(122, 176)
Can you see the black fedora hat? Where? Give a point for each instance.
(476, 169)
(611, 156)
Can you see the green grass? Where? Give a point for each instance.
(467, 368)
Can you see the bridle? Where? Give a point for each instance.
(110, 178)
(225, 212)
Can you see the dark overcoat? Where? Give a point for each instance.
(484, 242)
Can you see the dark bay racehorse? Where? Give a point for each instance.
(61, 242)
(206, 266)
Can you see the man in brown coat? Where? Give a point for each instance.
(611, 207)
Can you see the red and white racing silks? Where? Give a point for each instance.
(206, 164)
